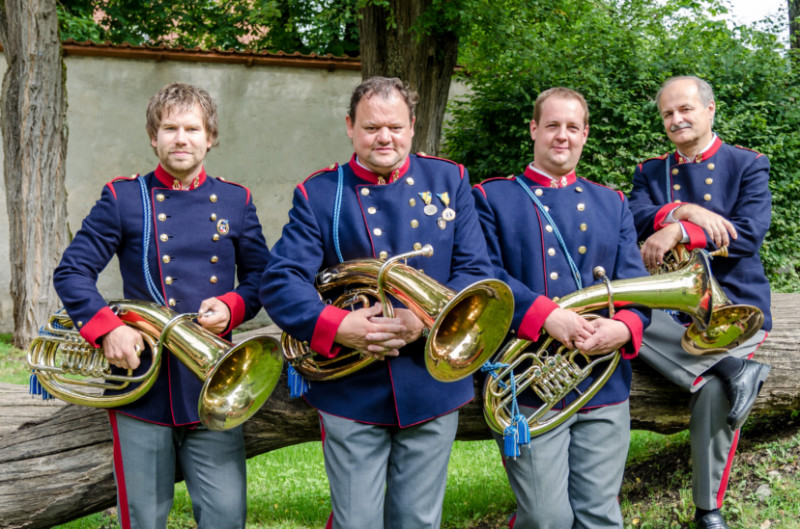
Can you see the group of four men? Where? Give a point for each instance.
(194, 243)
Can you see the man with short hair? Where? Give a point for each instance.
(547, 230)
(184, 239)
(707, 195)
(387, 428)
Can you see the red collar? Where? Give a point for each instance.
(170, 181)
(547, 181)
(374, 178)
(703, 156)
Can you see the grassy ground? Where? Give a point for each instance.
(287, 488)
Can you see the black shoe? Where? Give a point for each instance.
(710, 520)
(742, 391)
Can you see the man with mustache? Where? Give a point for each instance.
(707, 194)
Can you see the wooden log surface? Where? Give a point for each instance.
(55, 458)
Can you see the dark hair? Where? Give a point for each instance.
(383, 86)
(182, 97)
(565, 93)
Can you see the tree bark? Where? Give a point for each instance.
(794, 23)
(55, 458)
(34, 108)
(392, 46)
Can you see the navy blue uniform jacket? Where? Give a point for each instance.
(597, 229)
(203, 240)
(730, 181)
(377, 221)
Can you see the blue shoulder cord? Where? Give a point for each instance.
(668, 191)
(298, 386)
(147, 231)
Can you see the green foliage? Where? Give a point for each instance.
(617, 53)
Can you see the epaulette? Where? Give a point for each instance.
(331, 167)
(662, 157)
(429, 157)
(479, 186)
(131, 177)
(604, 186)
(751, 150)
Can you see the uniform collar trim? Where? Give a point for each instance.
(704, 155)
(374, 178)
(544, 179)
(170, 181)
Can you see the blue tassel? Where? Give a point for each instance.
(298, 386)
(523, 431)
(510, 444)
(35, 388)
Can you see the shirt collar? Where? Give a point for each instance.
(173, 183)
(544, 179)
(374, 178)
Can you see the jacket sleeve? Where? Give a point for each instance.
(75, 278)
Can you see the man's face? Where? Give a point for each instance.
(559, 136)
(181, 143)
(381, 132)
(686, 120)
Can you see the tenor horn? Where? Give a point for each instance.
(552, 372)
(237, 379)
(465, 328)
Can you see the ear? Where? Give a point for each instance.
(533, 130)
(153, 142)
(349, 123)
(585, 134)
(413, 121)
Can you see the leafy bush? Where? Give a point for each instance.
(617, 54)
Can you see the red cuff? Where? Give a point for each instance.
(101, 324)
(634, 324)
(236, 307)
(663, 213)
(697, 237)
(533, 321)
(325, 330)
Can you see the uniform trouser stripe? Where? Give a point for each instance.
(723, 486)
(122, 495)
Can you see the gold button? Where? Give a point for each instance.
(551, 251)
(214, 259)
(168, 280)
(583, 226)
(579, 189)
(412, 202)
(553, 275)
(213, 198)
(171, 302)
(213, 216)
(371, 210)
(414, 223)
(709, 181)
(706, 197)
(675, 171)
(162, 217)
(365, 191)
(418, 246)
(215, 237)
(547, 208)
(378, 232)
(410, 181)
(213, 279)
(677, 200)
(711, 166)
(581, 206)
(676, 187)
(166, 258)
(581, 249)
(80, 323)
(160, 197)
(383, 255)
(538, 192)
(548, 228)
(163, 237)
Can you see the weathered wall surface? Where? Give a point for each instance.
(277, 125)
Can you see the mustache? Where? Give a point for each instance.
(679, 126)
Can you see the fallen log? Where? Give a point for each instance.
(55, 458)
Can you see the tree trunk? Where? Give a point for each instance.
(424, 59)
(794, 24)
(34, 130)
(55, 458)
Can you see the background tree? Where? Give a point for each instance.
(34, 105)
(794, 23)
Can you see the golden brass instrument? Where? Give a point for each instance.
(237, 379)
(556, 371)
(731, 324)
(465, 328)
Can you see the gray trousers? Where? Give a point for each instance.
(145, 459)
(570, 476)
(713, 442)
(387, 477)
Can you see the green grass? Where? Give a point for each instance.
(13, 368)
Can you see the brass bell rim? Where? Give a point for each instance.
(750, 319)
(492, 336)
